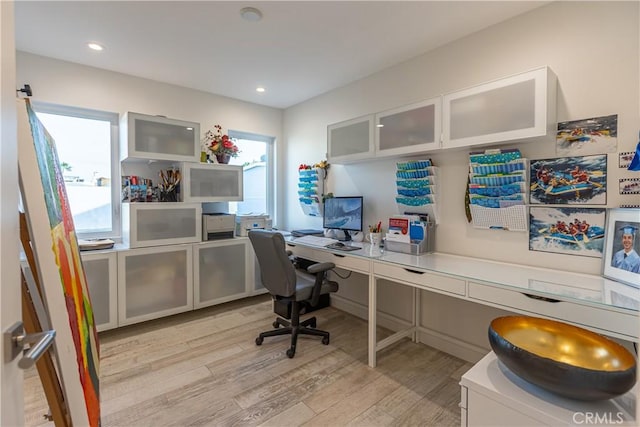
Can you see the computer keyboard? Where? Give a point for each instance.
(314, 240)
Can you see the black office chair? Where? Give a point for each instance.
(291, 288)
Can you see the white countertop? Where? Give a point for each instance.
(585, 288)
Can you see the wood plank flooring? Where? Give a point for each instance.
(203, 369)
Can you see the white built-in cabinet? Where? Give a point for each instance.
(409, 129)
(101, 272)
(203, 182)
(223, 271)
(159, 138)
(165, 267)
(351, 140)
(515, 108)
(154, 282)
(492, 395)
(518, 107)
(161, 223)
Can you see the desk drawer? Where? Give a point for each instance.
(347, 262)
(421, 278)
(609, 322)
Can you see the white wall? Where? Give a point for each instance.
(591, 46)
(593, 49)
(71, 84)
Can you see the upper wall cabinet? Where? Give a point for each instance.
(518, 107)
(205, 182)
(351, 140)
(409, 129)
(159, 138)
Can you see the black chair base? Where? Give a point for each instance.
(306, 327)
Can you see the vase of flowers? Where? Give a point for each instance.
(219, 146)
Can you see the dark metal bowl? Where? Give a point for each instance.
(570, 361)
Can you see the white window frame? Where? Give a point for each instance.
(113, 119)
(270, 170)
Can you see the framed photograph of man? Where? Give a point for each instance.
(621, 260)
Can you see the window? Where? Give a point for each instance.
(87, 146)
(256, 154)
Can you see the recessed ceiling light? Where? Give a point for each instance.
(260, 89)
(95, 46)
(250, 14)
(379, 125)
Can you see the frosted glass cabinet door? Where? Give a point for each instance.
(222, 271)
(161, 223)
(409, 129)
(513, 108)
(212, 183)
(350, 140)
(154, 282)
(159, 138)
(257, 287)
(101, 271)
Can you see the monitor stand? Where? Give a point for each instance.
(347, 236)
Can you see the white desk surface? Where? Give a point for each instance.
(584, 288)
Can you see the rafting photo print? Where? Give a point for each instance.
(569, 180)
(587, 136)
(570, 231)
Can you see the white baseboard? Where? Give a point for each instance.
(446, 343)
(451, 345)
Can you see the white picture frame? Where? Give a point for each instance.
(617, 219)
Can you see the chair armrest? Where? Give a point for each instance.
(320, 267)
(318, 270)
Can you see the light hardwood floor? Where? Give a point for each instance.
(203, 368)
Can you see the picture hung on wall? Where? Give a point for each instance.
(587, 136)
(624, 159)
(567, 230)
(621, 260)
(569, 180)
(63, 280)
(629, 185)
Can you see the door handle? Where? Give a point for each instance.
(15, 340)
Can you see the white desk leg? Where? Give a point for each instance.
(416, 314)
(372, 320)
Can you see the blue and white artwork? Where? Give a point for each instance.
(596, 135)
(570, 231)
(569, 180)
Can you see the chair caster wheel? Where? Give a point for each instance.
(259, 340)
(276, 325)
(325, 340)
(290, 353)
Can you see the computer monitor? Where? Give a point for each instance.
(344, 214)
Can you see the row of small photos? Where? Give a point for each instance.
(309, 192)
(416, 187)
(498, 190)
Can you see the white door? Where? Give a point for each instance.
(11, 398)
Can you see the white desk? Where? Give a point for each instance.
(589, 301)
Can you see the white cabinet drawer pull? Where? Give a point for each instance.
(414, 271)
(539, 298)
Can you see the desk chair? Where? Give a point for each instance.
(286, 286)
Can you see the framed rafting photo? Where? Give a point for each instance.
(567, 230)
(569, 181)
(621, 260)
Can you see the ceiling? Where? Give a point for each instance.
(300, 49)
